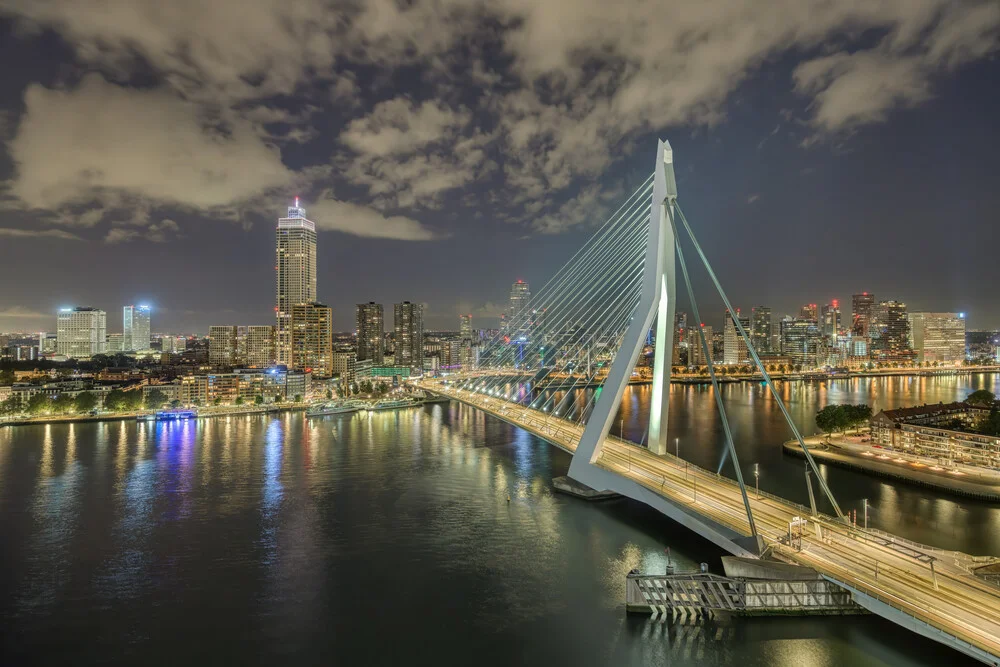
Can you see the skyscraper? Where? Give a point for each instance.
(81, 332)
(312, 339)
(371, 332)
(259, 346)
(890, 331)
(465, 327)
(295, 266)
(222, 346)
(408, 323)
(695, 350)
(862, 310)
(800, 340)
(938, 337)
(808, 312)
(830, 321)
(520, 295)
(135, 324)
(680, 336)
(760, 329)
(734, 350)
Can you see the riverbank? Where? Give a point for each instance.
(807, 376)
(203, 413)
(965, 481)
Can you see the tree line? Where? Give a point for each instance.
(842, 417)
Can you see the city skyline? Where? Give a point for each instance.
(803, 153)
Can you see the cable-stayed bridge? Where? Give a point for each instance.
(559, 369)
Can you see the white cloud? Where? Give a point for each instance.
(341, 216)
(158, 232)
(60, 234)
(752, 198)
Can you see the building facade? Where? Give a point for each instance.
(258, 346)
(801, 340)
(135, 327)
(81, 332)
(295, 266)
(862, 311)
(734, 349)
(371, 332)
(696, 352)
(941, 432)
(345, 366)
(520, 295)
(223, 346)
(760, 329)
(408, 324)
(938, 337)
(890, 332)
(312, 339)
(830, 321)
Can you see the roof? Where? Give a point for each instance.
(929, 411)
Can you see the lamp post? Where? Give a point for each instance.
(677, 447)
(756, 477)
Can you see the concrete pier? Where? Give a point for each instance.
(574, 488)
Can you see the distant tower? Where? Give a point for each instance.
(520, 294)
(408, 321)
(760, 328)
(135, 323)
(295, 266)
(371, 332)
(862, 309)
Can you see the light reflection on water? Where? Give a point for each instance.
(304, 541)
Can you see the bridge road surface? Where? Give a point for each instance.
(950, 599)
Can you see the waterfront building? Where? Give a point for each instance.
(312, 339)
(890, 332)
(862, 312)
(801, 340)
(135, 326)
(408, 324)
(696, 352)
(734, 345)
(942, 432)
(938, 337)
(520, 295)
(760, 329)
(81, 332)
(345, 366)
(222, 346)
(115, 343)
(371, 333)
(258, 346)
(295, 267)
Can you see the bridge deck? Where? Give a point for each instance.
(890, 576)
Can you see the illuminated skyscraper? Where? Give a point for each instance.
(760, 329)
(862, 310)
(81, 332)
(830, 321)
(295, 266)
(938, 337)
(695, 350)
(312, 339)
(808, 312)
(222, 346)
(371, 333)
(520, 295)
(890, 332)
(135, 324)
(734, 345)
(408, 322)
(465, 327)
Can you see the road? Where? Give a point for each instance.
(933, 586)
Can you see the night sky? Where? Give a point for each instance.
(446, 149)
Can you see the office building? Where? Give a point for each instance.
(938, 337)
(890, 332)
(680, 350)
(760, 329)
(258, 346)
(135, 327)
(408, 323)
(47, 343)
(862, 311)
(345, 366)
(801, 340)
(830, 321)
(734, 350)
(696, 352)
(808, 312)
(520, 295)
(115, 343)
(81, 332)
(173, 344)
(465, 327)
(371, 333)
(295, 266)
(312, 339)
(222, 346)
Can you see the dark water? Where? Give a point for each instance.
(388, 539)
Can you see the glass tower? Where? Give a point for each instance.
(295, 267)
(135, 323)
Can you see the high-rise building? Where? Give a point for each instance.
(81, 332)
(862, 310)
(344, 365)
(830, 321)
(173, 344)
(760, 329)
(680, 336)
(938, 337)
(371, 332)
(465, 327)
(47, 342)
(408, 323)
(801, 341)
(295, 266)
(890, 331)
(115, 343)
(734, 350)
(312, 339)
(258, 346)
(808, 312)
(135, 321)
(520, 295)
(222, 346)
(696, 352)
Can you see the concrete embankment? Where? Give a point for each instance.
(131, 416)
(941, 481)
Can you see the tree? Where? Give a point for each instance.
(85, 401)
(7, 376)
(62, 404)
(115, 400)
(176, 403)
(297, 399)
(155, 398)
(11, 406)
(38, 404)
(258, 400)
(217, 401)
(329, 394)
(981, 397)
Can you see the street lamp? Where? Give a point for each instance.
(756, 477)
(677, 447)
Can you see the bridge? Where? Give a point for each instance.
(559, 369)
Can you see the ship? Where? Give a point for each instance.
(336, 408)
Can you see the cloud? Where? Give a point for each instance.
(752, 198)
(157, 233)
(341, 216)
(401, 126)
(60, 234)
(72, 146)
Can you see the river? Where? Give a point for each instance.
(388, 538)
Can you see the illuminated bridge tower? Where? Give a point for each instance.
(295, 267)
